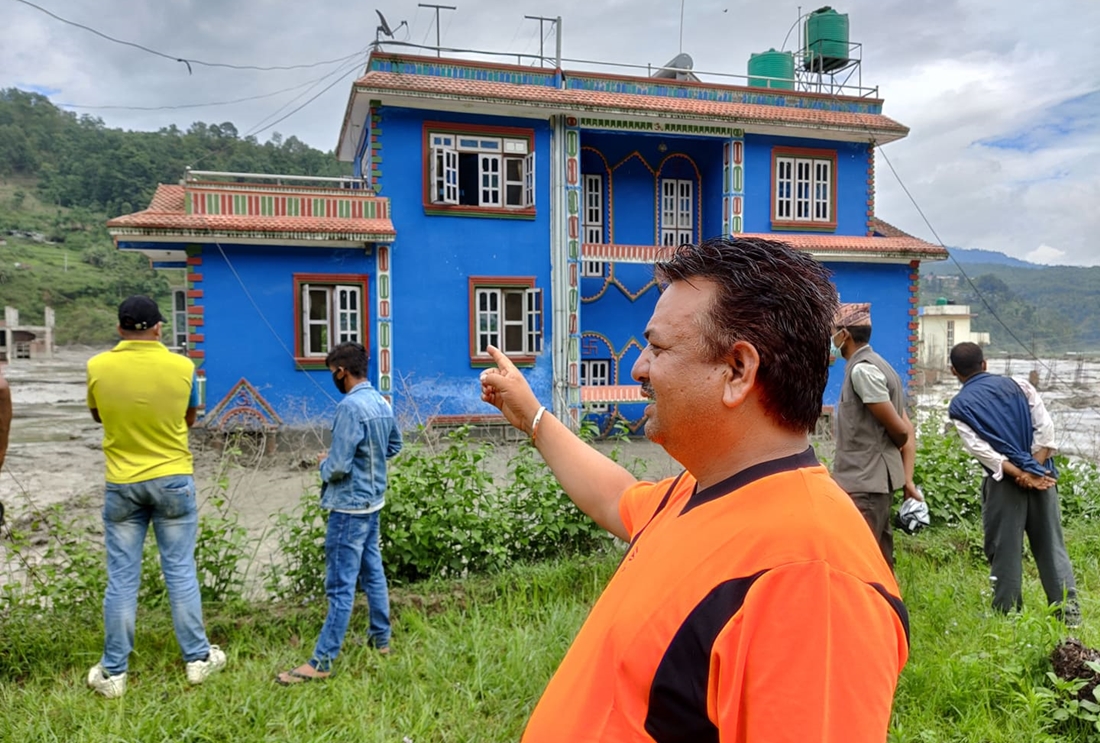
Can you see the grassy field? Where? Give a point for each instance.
(471, 658)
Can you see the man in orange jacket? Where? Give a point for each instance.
(753, 604)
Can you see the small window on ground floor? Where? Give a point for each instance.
(331, 309)
(596, 373)
(505, 312)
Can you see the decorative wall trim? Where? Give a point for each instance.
(260, 201)
(870, 189)
(914, 300)
(733, 184)
(574, 195)
(627, 125)
(196, 314)
(373, 171)
(384, 323)
(463, 70)
(693, 91)
(243, 408)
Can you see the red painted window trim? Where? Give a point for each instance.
(493, 282)
(327, 279)
(815, 154)
(465, 210)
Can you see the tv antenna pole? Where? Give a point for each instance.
(542, 37)
(438, 38)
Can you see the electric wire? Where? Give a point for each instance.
(1030, 354)
(208, 104)
(188, 61)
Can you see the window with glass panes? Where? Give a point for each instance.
(677, 211)
(481, 170)
(331, 310)
(507, 316)
(804, 189)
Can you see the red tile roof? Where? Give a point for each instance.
(581, 100)
(824, 245)
(166, 213)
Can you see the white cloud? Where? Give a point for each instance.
(1045, 254)
(973, 87)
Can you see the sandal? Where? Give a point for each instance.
(295, 676)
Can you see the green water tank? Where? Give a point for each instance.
(772, 64)
(826, 40)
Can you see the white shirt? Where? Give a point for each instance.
(1041, 423)
(869, 383)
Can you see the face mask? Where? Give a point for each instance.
(834, 349)
(338, 382)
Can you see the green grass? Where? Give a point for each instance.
(471, 658)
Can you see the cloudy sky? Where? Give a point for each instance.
(1003, 98)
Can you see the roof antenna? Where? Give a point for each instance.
(384, 28)
(681, 26)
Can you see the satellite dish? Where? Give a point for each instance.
(385, 27)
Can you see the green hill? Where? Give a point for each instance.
(1049, 309)
(61, 178)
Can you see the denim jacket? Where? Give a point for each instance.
(364, 436)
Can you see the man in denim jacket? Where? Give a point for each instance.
(364, 436)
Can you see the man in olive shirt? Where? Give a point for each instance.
(875, 441)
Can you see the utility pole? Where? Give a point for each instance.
(542, 37)
(438, 38)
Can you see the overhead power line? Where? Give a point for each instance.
(185, 60)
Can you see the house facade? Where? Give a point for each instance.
(520, 207)
(940, 327)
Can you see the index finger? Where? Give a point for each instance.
(503, 362)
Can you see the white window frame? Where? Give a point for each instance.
(491, 320)
(803, 190)
(677, 211)
(494, 154)
(352, 317)
(592, 269)
(593, 209)
(181, 334)
(596, 373)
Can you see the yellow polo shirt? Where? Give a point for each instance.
(142, 392)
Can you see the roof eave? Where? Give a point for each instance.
(155, 234)
(852, 133)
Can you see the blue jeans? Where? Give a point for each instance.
(352, 555)
(169, 503)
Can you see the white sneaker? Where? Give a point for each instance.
(198, 670)
(111, 687)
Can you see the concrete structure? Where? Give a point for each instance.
(940, 327)
(519, 206)
(18, 341)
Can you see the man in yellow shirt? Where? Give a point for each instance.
(146, 398)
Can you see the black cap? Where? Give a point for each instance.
(139, 313)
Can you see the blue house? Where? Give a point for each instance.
(520, 207)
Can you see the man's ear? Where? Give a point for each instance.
(743, 362)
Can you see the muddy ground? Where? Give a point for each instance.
(55, 455)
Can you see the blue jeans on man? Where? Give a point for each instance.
(353, 556)
(169, 504)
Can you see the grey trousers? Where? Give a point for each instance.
(1009, 512)
(875, 508)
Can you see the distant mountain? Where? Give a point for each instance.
(974, 255)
